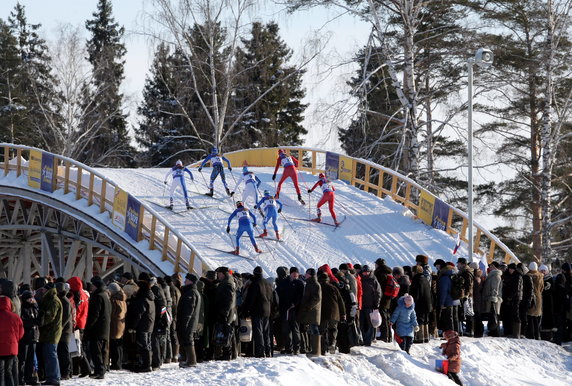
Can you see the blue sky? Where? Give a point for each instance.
(346, 35)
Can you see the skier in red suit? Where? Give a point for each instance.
(290, 164)
(328, 196)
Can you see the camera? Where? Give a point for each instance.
(484, 57)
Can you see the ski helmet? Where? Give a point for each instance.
(245, 170)
(179, 163)
(239, 204)
(266, 193)
(214, 150)
(321, 175)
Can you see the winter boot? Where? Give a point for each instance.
(300, 199)
(236, 251)
(418, 336)
(264, 234)
(319, 214)
(191, 357)
(170, 203)
(188, 206)
(210, 193)
(516, 330)
(175, 352)
(277, 235)
(257, 249)
(316, 346)
(227, 190)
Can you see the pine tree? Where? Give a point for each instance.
(277, 118)
(111, 145)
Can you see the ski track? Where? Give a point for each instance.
(374, 227)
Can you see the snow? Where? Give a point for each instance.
(486, 361)
(373, 228)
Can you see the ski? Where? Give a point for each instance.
(231, 253)
(179, 212)
(316, 222)
(269, 239)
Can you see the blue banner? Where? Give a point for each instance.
(332, 164)
(48, 177)
(440, 215)
(132, 218)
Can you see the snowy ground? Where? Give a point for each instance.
(373, 228)
(486, 361)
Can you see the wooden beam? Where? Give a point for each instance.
(78, 183)
(103, 196)
(18, 162)
(165, 244)
(90, 193)
(67, 177)
(6, 160)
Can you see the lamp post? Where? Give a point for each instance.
(483, 58)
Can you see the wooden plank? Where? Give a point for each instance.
(102, 196)
(6, 159)
(394, 181)
(450, 221)
(90, 194)
(192, 261)
(67, 178)
(367, 173)
(477, 239)
(408, 193)
(165, 244)
(18, 162)
(178, 254)
(380, 183)
(140, 226)
(463, 235)
(491, 253)
(152, 233)
(354, 171)
(78, 183)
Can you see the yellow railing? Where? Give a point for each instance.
(86, 183)
(382, 182)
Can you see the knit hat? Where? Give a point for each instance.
(294, 269)
(533, 266)
(62, 287)
(191, 277)
(422, 259)
(323, 276)
(27, 295)
(343, 267)
(543, 268)
(144, 276)
(210, 275)
(380, 262)
(450, 264)
(398, 271)
(257, 271)
(512, 266)
(461, 260)
(439, 262)
(311, 271)
(408, 300)
(282, 272)
(222, 269)
(365, 268)
(97, 281)
(114, 288)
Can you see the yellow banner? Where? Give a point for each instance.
(426, 206)
(345, 169)
(120, 208)
(35, 169)
(254, 157)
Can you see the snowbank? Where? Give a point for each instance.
(486, 361)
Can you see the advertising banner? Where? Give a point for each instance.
(332, 165)
(426, 206)
(440, 215)
(119, 208)
(132, 217)
(48, 182)
(35, 169)
(345, 169)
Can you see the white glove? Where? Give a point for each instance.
(416, 328)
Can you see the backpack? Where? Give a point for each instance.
(457, 287)
(391, 287)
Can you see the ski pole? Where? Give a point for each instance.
(231, 241)
(287, 222)
(204, 179)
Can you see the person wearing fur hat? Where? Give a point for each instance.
(405, 321)
(225, 314)
(27, 345)
(333, 310)
(447, 306)
(420, 289)
(290, 292)
(370, 301)
(547, 325)
(512, 296)
(452, 350)
(310, 311)
(423, 262)
(381, 274)
(534, 313)
(117, 328)
(188, 315)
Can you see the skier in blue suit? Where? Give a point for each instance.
(218, 168)
(246, 220)
(268, 204)
(178, 173)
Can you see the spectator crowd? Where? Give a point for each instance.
(56, 329)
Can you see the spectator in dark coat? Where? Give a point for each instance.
(257, 305)
(175, 296)
(478, 302)
(290, 292)
(350, 303)
(225, 314)
(118, 301)
(158, 342)
(141, 318)
(512, 296)
(333, 310)
(562, 302)
(8, 289)
(420, 290)
(370, 301)
(446, 305)
(527, 297)
(466, 308)
(27, 345)
(97, 327)
(492, 298)
(310, 309)
(11, 331)
(188, 314)
(381, 273)
(50, 333)
(64, 357)
(204, 347)
(547, 324)
(535, 311)
(404, 284)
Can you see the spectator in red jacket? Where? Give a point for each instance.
(81, 302)
(11, 331)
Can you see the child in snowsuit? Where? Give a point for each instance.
(405, 321)
(178, 172)
(251, 185)
(452, 350)
(218, 168)
(328, 196)
(268, 205)
(290, 164)
(245, 222)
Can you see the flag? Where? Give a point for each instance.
(457, 244)
(483, 264)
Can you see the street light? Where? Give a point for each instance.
(483, 58)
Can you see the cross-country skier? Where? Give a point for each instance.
(290, 164)
(251, 185)
(268, 204)
(178, 172)
(246, 220)
(218, 168)
(328, 196)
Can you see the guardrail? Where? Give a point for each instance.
(381, 181)
(85, 182)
